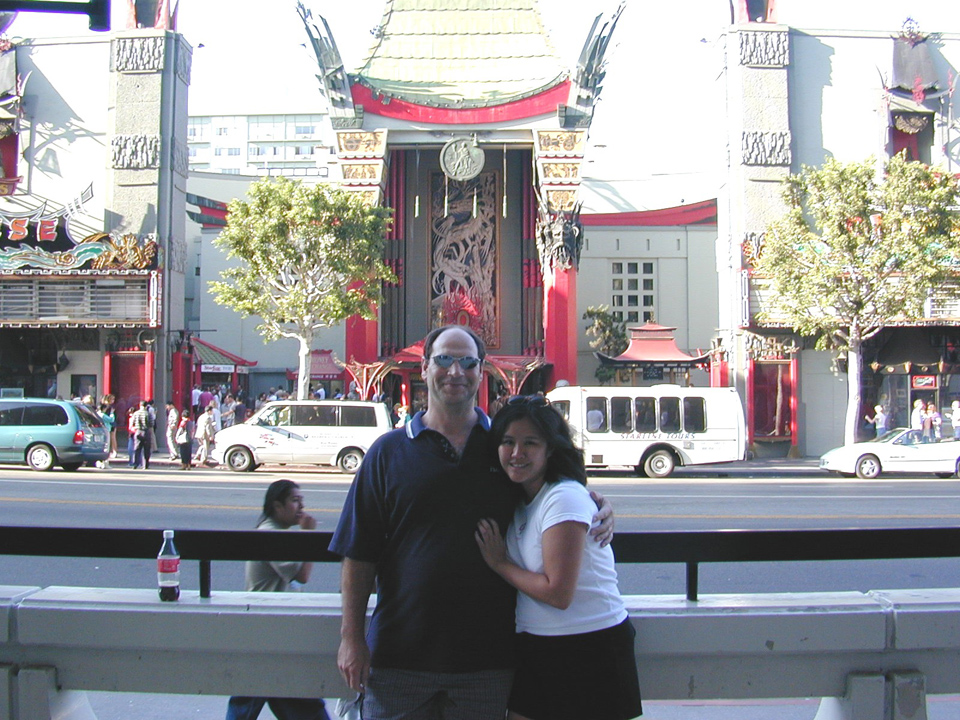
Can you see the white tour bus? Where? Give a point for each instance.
(653, 429)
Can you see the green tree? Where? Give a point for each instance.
(610, 337)
(859, 249)
(310, 256)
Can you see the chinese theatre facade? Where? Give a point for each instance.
(92, 254)
(479, 150)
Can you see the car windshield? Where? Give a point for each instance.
(888, 436)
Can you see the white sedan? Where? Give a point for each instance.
(899, 450)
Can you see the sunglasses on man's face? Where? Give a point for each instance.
(466, 362)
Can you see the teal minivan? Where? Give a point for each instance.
(43, 433)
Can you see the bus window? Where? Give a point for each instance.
(669, 414)
(596, 414)
(562, 407)
(621, 415)
(646, 411)
(694, 415)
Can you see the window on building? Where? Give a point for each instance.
(231, 171)
(223, 131)
(303, 150)
(192, 152)
(304, 130)
(218, 151)
(624, 290)
(254, 150)
(233, 151)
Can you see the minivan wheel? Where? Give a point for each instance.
(239, 459)
(41, 457)
(350, 460)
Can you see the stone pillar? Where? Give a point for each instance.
(759, 158)
(148, 167)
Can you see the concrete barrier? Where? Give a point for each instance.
(874, 655)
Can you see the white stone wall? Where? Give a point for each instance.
(685, 287)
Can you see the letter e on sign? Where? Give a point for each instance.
(47, 229)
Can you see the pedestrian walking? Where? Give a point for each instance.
(173, 422)
(204, 434)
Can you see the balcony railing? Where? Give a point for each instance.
(689, 548)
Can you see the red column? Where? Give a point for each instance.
(748, 379)
(560, 324)
(794, 395)
(107, 360)
(361, 339)
(149, 362)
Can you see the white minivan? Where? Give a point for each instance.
(653, 429)
(303, 432)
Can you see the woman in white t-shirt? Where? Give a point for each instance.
(575, 643)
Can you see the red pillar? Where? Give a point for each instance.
(149, 362)
(748, 379)
(560, 332)
(107, 360)
(794, 395)
(361, 338)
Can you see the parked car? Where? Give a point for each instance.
(898, 450)
(309, 432)
(42, 433)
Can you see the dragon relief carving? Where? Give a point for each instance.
(123, 253)
(559, 237)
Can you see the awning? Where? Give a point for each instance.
(210, 358)
(322, 367)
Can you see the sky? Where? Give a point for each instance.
(661, 84)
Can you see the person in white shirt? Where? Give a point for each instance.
(575, 642)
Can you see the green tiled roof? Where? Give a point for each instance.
(461, 53)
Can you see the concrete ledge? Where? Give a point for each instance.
(722, 647)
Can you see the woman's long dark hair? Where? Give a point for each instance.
(278, 491)
(565, 460)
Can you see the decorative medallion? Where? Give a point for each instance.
(461, 159)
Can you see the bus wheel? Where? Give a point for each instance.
(659, 465)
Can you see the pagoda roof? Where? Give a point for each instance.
(653, 344)
(460, 54)
(206, 353)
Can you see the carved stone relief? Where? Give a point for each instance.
(143, 54)
(135, 152)
(184, 62)
(178, 255)
(765, 148)
(180, 159)
(765, 49)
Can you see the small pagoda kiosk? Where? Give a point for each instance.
(463, 119)
(653, 356)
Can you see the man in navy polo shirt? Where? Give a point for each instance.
(441, 637)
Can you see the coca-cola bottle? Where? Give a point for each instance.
(168, 569)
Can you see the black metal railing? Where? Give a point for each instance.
(688, 548)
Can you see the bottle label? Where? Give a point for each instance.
(168, 565)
